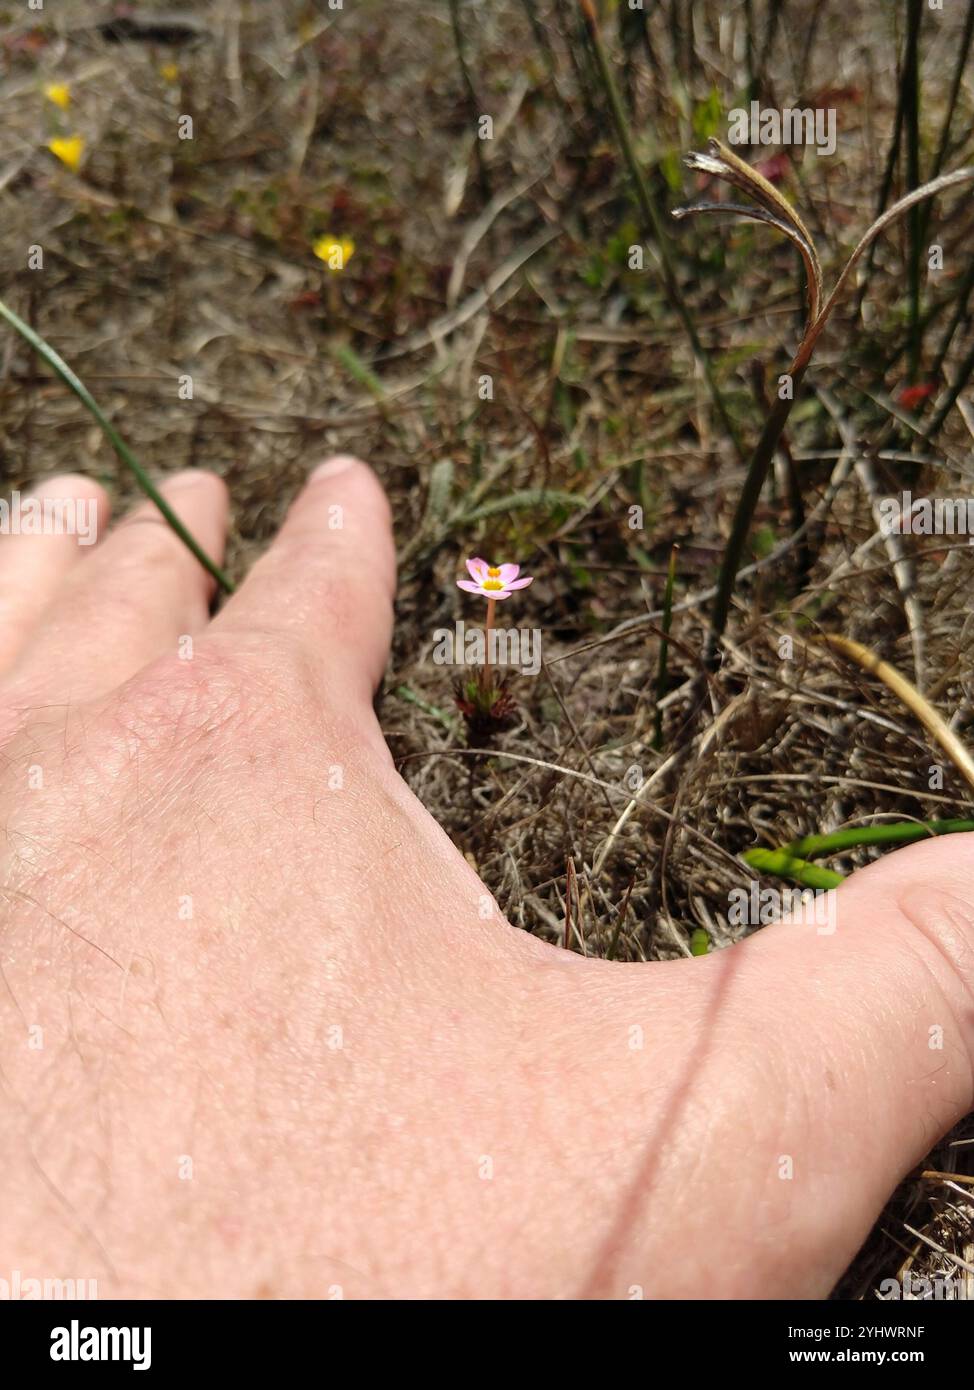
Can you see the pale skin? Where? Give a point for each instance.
(266, 1035)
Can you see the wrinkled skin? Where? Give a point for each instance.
(263, 1032)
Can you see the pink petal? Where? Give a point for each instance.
(520, 583)
(470, 586)
(509, 572)
(501, 593)
(477, 568)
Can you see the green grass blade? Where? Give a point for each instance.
(75, 384)
(360, 371)
(529, 500)
(409, 695)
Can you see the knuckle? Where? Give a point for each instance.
(114, 592)
(119, 607)
(305, 552)
(342, 609)
(281, 671)
(944, 921)
(328, 596)
(147, 545)
(940, 936)
(175, 704)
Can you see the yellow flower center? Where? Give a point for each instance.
(493, 571)
(492, 583)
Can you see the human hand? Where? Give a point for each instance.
(263, 1031)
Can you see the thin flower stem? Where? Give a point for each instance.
(491, 607)
(61, 368)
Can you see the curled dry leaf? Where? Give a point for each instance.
(775, 208)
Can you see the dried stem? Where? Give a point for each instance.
(653, 223)
(918, 704)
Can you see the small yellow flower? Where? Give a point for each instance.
(68, 150)
(169, 72)
(333, 251)
(59, 93)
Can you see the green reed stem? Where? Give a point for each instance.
(784, 865)
(757, 471)
(812, 846)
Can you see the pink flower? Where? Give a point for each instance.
(493, 581)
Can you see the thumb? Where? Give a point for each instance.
(878, 1006)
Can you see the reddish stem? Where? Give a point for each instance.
(491, 605)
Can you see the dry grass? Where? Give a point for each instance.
(165, 257)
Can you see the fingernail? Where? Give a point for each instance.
(331, 467)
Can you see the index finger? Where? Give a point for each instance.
(329, 578)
